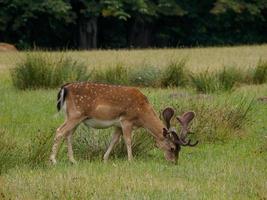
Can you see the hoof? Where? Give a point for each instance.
(53, 161)
(74, 162)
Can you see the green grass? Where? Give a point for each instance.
(175, 74)
(44, 70)
(260, 73)
(232, 168)
(49, 70)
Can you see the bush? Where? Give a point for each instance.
(175, 74)
(260, 73)
(91, 144)
(147, 77)
(117, 75)
(42, 70)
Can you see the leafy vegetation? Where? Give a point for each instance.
(143, 23)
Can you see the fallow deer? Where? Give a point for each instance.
(102, 106)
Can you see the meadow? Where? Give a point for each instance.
(231, 125)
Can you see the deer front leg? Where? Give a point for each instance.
(115, 139)
(127, 136)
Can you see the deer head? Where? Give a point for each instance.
(173, 140)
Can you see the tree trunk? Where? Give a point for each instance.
(140, 34)
(88, 33)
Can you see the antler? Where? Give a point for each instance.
(184, 120)
(167, 116)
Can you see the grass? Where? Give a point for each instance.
(175, 74)
(199, 59)
(117, 75)
(92, 144)
(50, 70)
(229, 168)
(43, 70)
(260, 73)
(145, 76)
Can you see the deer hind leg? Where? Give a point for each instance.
(70, 150)
(115, 139)
(127, 136)
(61, 132)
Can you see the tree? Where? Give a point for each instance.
(22, 21)
(88, 13)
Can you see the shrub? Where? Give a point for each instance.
(175, 74)
(91, 144)
(42, 70)
(260, 73)
(147, 77)
(117, 75)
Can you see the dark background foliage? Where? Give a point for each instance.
(89, 24)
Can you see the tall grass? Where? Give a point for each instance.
(42, 70)
(260, 73)
(90, 144)
(228, 77)
(218, 121)
(205, 82)
(10, 153)
(117, 74)
(175, 74)
(40, 148)
(217, 81)
(145, 76)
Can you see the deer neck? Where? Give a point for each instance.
(154, 125)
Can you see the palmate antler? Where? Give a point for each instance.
(184, 120)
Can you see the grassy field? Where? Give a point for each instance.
(231, 165)
(198, 58)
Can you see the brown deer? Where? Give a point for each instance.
(102, 106)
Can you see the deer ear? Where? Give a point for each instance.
(167, 116)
